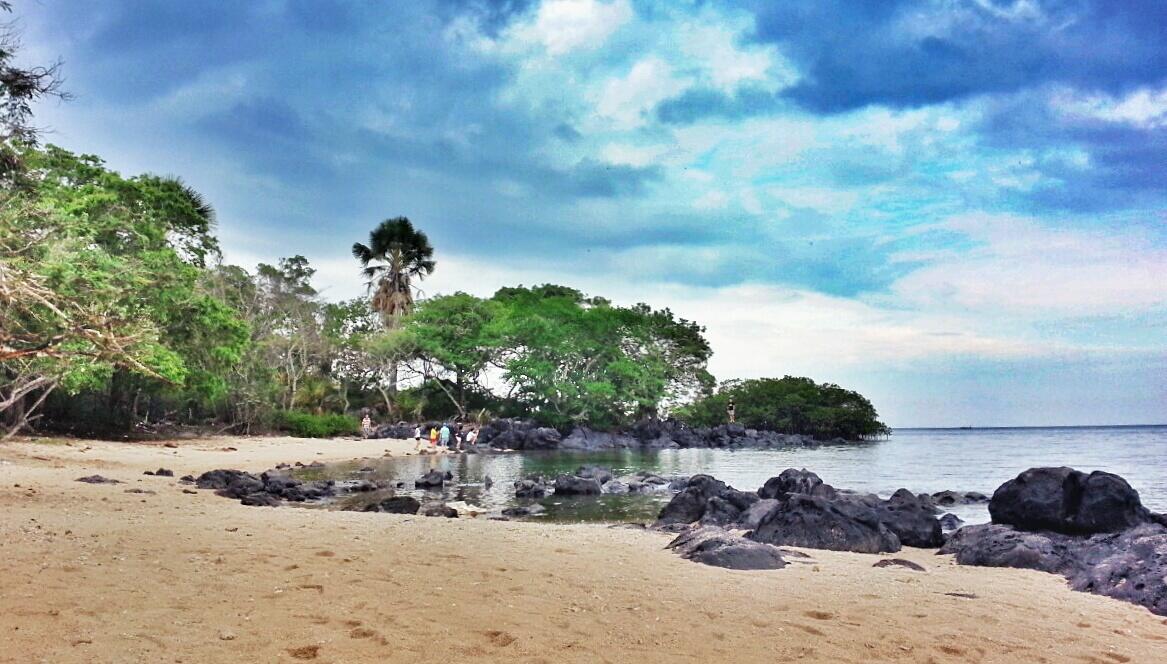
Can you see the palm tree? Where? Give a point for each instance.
(396, 254)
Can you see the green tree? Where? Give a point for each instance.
(396, 255)
(791, 405)
(572, 359)
(453, 341)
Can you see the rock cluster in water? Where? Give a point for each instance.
(593, 481)
(1090, 528)
(796, 508)
(647, 434)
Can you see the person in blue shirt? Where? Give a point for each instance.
(444, 436)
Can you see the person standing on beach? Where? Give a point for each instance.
(731, 412)
(417, 438)
(433, 438)
(444, 436)
(472, 438)
(366, 425)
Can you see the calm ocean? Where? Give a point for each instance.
(922, 460)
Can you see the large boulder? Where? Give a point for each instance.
(992, 545)
(1067, 501)
(1130, 565)
(719, 512)
(689, 505)
(911, 519)
(714, 546)
(542, 438)
(752, 516)
(570, 485)
(817, 523)
(792, 481)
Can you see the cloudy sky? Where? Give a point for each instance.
(957, 207)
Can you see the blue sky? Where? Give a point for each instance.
(958, 208)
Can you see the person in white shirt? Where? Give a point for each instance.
(417, 438)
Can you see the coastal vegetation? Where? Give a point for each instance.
(789, 405)
(118, 317)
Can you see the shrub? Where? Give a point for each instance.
(307, 425)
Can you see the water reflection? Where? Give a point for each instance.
(921, 460)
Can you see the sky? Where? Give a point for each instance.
(957, 207)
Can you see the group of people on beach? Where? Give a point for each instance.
(451, 440)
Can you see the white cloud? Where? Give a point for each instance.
(711, 200)
(562, 26)
(1144, 108)
(626, 100)
(633, 155)
(713, 44)
(1023, 270)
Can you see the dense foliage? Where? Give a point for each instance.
(791, 405)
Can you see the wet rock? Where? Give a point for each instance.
(1067, 501)
(752, 516)
(585, 439)
(950, 522)
(911, 520)
(950, 498)
(97, 479)
(900, 562)
(438, 509)
(716, 547)
(230, 483)
(816, 523)
(434, 479)
(616, 487)
(523, 510)
(601, 475)
(719, 512)
(487, 482)
(187, 479)
(396, 505)
(571, 485)
(260, 500)
(792, 481)
(689, 505)
(532, 487)
(161, 472)
(1130, 564)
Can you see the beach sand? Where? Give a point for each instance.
(91, 573)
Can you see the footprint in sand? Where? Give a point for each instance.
(305, 652)
(819, 615)
(499, 638)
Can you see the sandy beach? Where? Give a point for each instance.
(92, 573)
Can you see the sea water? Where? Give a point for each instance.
(921, 460)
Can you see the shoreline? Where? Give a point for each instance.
(97, 574)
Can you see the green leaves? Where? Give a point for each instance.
(565, 358)
(792, 405)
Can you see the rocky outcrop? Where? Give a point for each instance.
(795, 481)
(815, 522)
(714, 546)
(689, 505)
(797, 509)
(1067, 501)
(572, 485)
(1090, 528)
(911, 519)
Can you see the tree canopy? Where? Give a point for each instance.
(791, 405)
